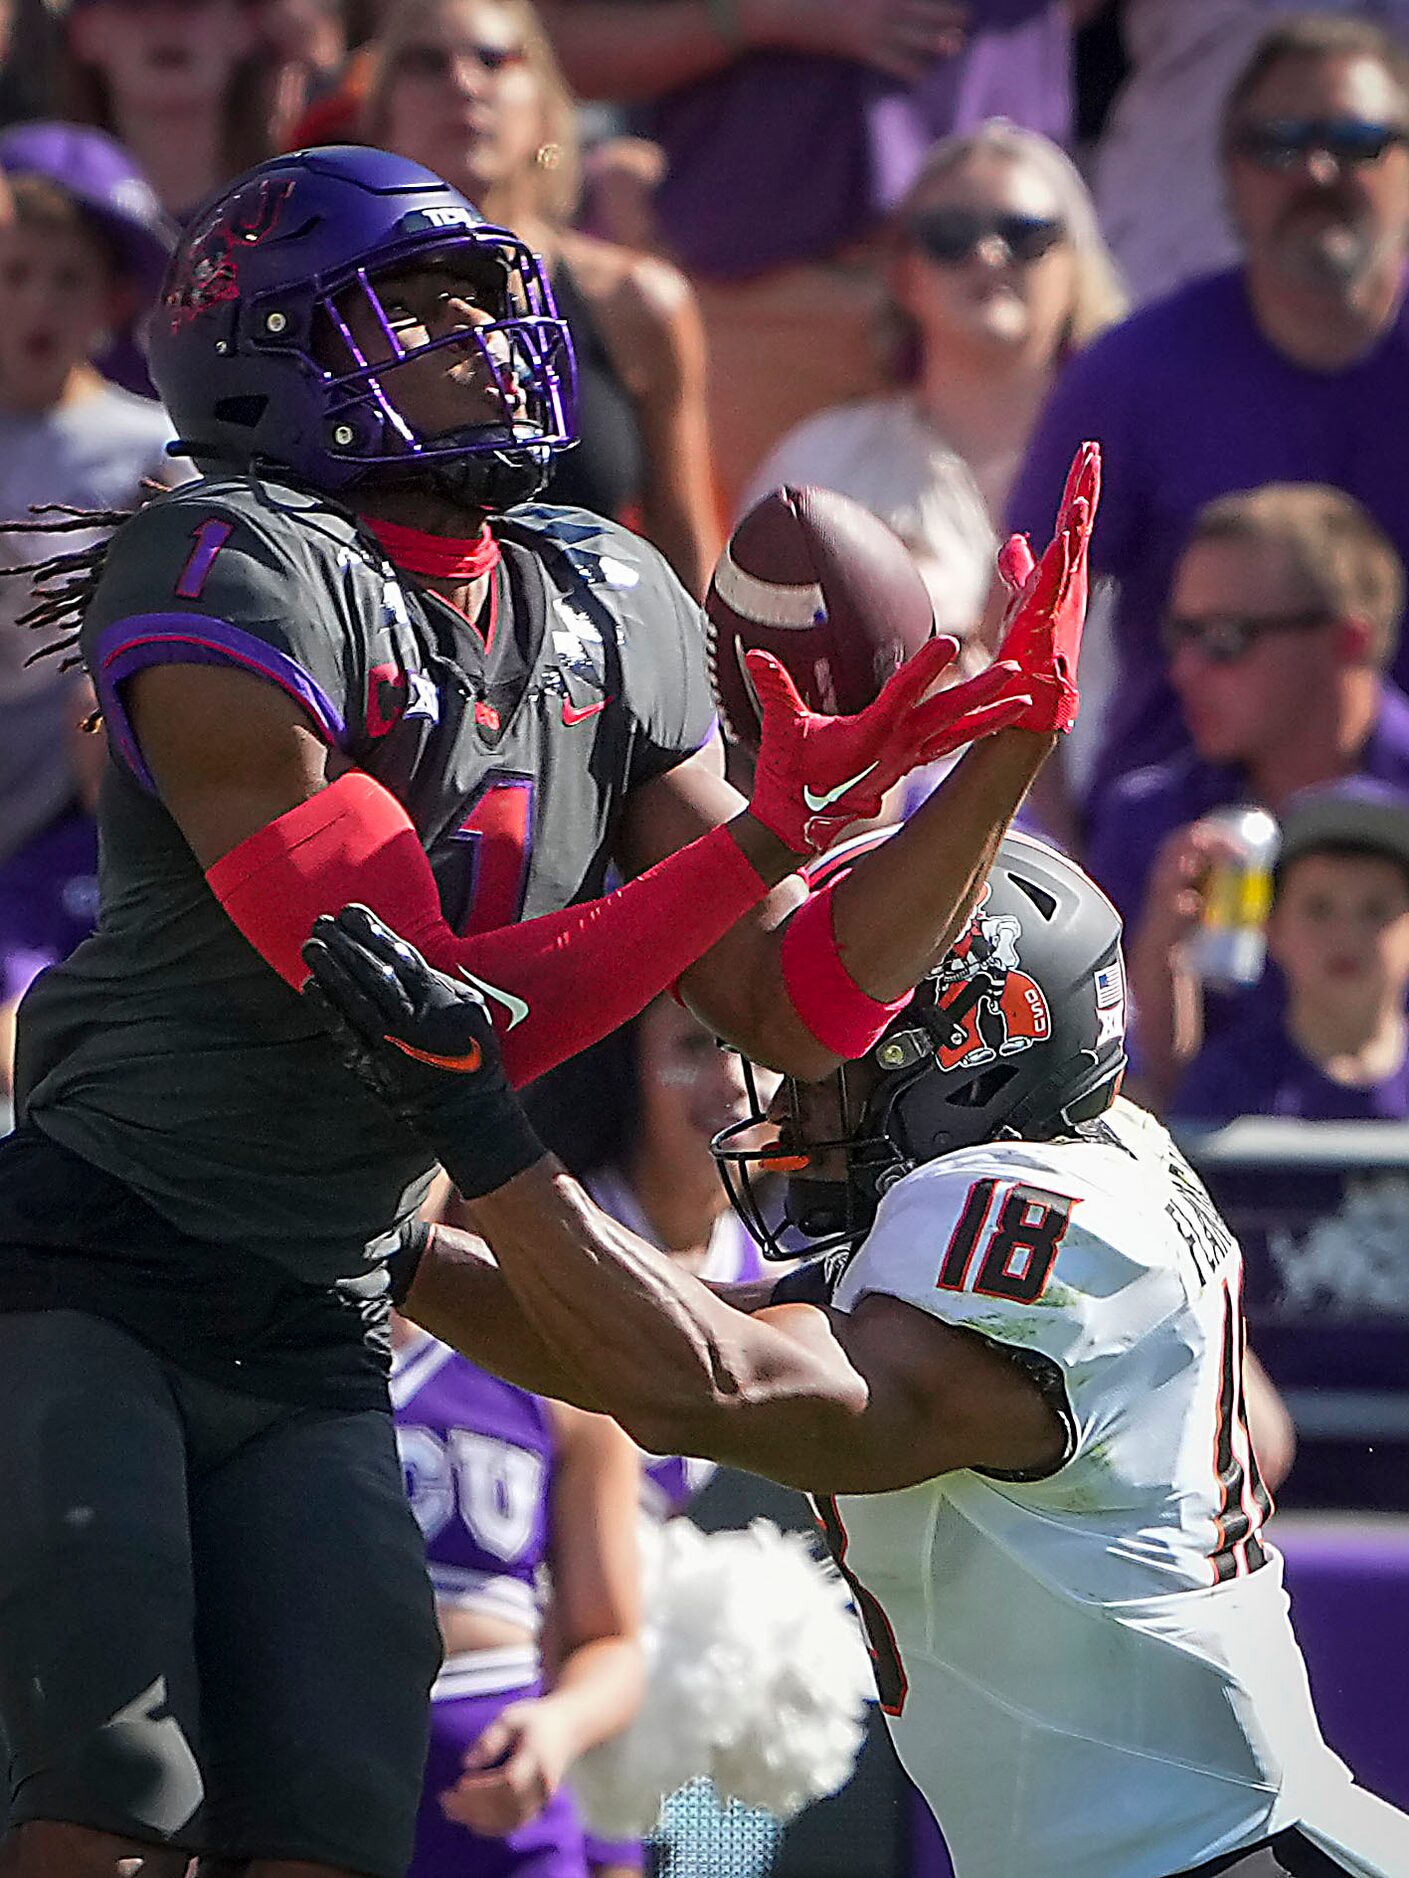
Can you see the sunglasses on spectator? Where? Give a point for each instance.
(1280, 143)
(952, 236)
(1223, 638)
(440, 61)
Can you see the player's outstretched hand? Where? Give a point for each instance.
(1042, 630)
(816, 775)
(424, 1043)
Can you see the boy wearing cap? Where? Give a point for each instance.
(1339, 930)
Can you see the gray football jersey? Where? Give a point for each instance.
(165, 1050)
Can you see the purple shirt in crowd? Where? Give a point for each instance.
(1254, 1068)
(737, 143)
(1189, 402)
(1130, 819)
(48, 900)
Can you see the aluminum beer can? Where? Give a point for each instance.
(1230, 946)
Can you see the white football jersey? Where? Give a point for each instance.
(1093, 1674)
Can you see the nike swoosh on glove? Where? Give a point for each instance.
(424, 1043)
(1042, 630)
(816, 775)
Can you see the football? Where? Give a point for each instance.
(828, 589)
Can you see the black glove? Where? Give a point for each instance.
(424, 1043)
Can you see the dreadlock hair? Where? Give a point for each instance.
(63, 585)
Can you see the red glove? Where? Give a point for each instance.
(816, 775)
(1042, 630)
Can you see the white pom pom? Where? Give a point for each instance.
(756, 1675)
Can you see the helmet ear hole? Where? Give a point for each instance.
(1046, 903)
(984, 1089)
(245, 411)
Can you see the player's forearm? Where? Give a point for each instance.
(674, 1364)
(904, 904)
(460, 1296)
(896, 912)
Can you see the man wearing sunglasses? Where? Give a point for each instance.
(1283, 617)
(1293, 367)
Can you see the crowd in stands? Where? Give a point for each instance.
(861, 244)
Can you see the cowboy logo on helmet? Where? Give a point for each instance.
(994, 1008)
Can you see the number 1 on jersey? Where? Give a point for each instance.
(497, 834)
(210, 538)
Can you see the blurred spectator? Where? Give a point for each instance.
(66, 436)
(1339, 930)
(307, 42)
(1284, 615)
(471, 89)
(118, 201)
(1295, 368)
(790, 129)
(187, 85)
(511, 1490)
(996, 273)
(1163, 123)
(620, 177)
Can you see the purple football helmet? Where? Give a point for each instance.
(252, 344)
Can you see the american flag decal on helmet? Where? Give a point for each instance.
(1110, 986)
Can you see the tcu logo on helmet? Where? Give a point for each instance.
(207, 271)
(995, 1008)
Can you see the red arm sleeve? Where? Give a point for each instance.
(555, 984)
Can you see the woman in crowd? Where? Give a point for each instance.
(188, 86)
(996, 272)
(529, 1514)
(471, 89)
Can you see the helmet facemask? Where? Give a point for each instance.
(833, 1177)
(520, 361)
(274, 349)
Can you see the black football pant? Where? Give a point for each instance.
(216, 1629)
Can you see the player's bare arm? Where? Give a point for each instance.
(459, 1294)
(895, 914)
(830, 1404)
(574, 1305)
(229, 752)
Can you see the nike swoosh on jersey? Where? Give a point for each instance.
(516, 1007)
(818, 803)
(572, 715)
(466, 1064)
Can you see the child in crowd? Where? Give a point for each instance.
(1338, 1050)
(102, 179)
